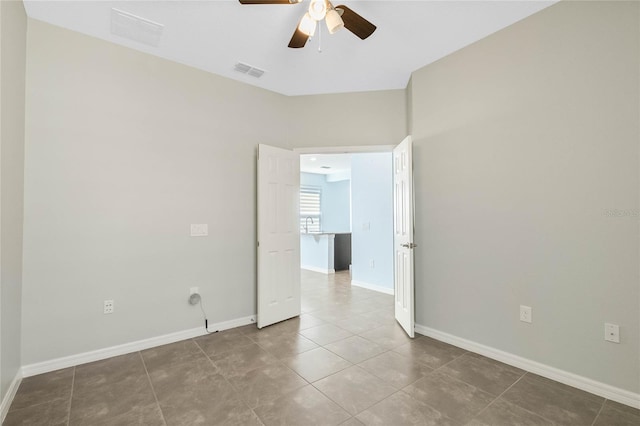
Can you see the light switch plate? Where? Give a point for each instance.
(199, 230)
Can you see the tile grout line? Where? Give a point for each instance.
(227, 380)
(517, 405)
(599, 411)
(153, 391)
(73, 382)
(497, 397)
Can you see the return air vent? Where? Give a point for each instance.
(248, 69)
(135, 28)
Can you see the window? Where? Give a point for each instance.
(310, 197)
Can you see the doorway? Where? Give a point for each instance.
(346, 216)
(278, 220)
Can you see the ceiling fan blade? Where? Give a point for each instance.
(356, 23)
(268, 2)
(299, 39)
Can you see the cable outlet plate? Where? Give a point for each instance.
(611, 332)
(525, 313)
(108, 307)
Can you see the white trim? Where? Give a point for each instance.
(345, 149)
(11, 393)
(589, 385)
(316, 269)
(378, 288)
(97, 355)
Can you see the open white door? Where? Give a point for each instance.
(403, 235)
(278, 235)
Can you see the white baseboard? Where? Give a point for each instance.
(8, 397)
(589, 385)
(379, 288)
(321, 270)
(97, 355)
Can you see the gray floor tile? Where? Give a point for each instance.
(355, 349)
(316, 364)
(484, 373)
(114, 390)
(358, 324)
(429, 351)
(501, 412)
(108, 371)
(224, 341)
(352, 422)
(287, 346)
(243, 359)
(354, 389)
(388, 336)
(193, 393)
(264, 384)
(101, 399)
(43, 388)
(400, 409)
(329, 313)
(615, 414)
(138, 414)
(559, 403)
(386, 315)
(174, 353)
(326, 333)
(53, 413)
(304, 406)
(621, 407)
(451, 397)
(394, 369)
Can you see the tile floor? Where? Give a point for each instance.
(343, 361)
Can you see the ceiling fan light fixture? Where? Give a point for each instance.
(334, 21)
(318, 9)
(307, 25)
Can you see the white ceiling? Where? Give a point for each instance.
(318, 163)
(214, 35)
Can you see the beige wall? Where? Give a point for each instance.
(367, 118)
(123, 152)
(13, 30)
(523, 141)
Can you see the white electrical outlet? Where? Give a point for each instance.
(611, 332)
(525, 313)
(194, 290)
(199, 229)
(372, 264)
(366, 226)
(108, 306)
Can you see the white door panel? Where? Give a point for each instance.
(278, 235)
(403, 244)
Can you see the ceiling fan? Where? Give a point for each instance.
(335, 18)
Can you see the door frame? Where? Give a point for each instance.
(358, 150)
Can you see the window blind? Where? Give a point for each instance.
(310, 207)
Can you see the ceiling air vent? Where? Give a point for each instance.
(135, 28)
(248, 69)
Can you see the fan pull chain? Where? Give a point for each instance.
(319, 38)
